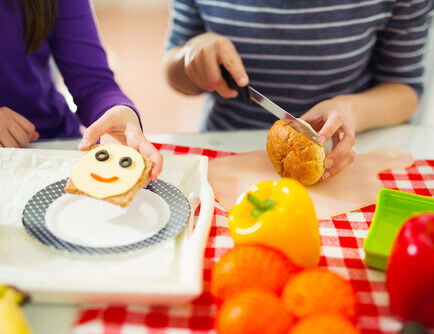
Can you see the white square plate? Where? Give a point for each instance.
(170, 273)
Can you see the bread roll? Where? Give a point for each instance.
(294, 155)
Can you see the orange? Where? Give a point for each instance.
(249, 266)
(317, 290)
(253, 312)
(324, 324)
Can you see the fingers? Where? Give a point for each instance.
(19, 135)
(98, 128)
(339, 166)
(344, 142)
(316, 121)
(121, 126)
(332, 119)
(7, 140)
(28, 126)
(115, 121)
(191, 69)
(137, 140)
(15, 130)
(215, 78)
(342, 154)
(231, 60)
(203, 60)
(205, 72)
(35, 136)
(332, 124)
(147, 149)
(337, 127)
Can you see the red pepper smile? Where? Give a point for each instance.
(103, 179)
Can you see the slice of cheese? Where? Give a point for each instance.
(119, 179)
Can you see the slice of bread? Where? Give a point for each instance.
(123, 199)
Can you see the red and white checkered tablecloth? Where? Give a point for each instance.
(342, 252)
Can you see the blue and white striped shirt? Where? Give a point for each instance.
(300, 52)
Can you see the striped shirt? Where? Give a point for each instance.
(300, 52)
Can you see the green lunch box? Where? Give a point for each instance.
(392, 210)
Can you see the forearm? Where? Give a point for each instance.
(382, 105)
(82, 61)
(173, 63)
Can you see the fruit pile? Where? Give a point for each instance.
(269, 286)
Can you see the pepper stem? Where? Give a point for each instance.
(259, 207)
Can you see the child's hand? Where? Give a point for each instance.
(120, 125)
(333, 119)
(204, 54)
(15, 130)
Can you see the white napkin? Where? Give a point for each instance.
(24, 261)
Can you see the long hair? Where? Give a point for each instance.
(39, 18)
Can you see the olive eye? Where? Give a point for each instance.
(101, 155)
(125, 162)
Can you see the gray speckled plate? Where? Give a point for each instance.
(34, 220)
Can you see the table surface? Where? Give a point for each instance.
(417, 139)
(413, 138)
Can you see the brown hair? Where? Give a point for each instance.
(38, 20)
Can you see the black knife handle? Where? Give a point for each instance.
(243, 92)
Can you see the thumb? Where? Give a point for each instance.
(147, 149)
(95, 131)
(311, 115)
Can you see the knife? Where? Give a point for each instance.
(249, 94)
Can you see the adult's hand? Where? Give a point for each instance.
(333, 119)
(15, 130)
(203, 56)
(120, 125)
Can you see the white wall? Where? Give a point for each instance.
(151, 4)
(425, 112)
(428, 116)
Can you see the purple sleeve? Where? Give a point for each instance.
(83, 63)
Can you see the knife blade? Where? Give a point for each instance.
(249, 94)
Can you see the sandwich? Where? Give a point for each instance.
(113, 173)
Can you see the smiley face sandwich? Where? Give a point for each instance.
(113, 173)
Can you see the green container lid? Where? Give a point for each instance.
(393, 209)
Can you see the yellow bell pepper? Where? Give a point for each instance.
(280, 215)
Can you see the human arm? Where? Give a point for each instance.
(82, 61)
(385, 104)
(101, 105)
(15, 130)
(193, 55)
(339, 118)
(397, 66)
